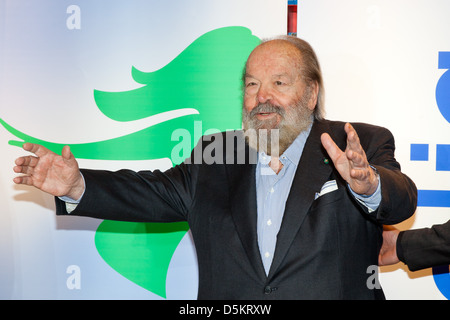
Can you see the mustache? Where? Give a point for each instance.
(267, 108)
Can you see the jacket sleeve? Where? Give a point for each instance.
(425, 248)
(145, 196)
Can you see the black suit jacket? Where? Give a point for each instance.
(426, 247)
(324, 246)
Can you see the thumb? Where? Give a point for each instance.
(330, 146)
(66, 153)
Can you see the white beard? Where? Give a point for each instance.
(272, 138)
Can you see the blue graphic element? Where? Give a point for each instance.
(433, 198)
(442, 279)
(443, 157)
(419, 152)
(443, 86)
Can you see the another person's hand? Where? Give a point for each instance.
(352, 163)
(388, 252)
(49, 172)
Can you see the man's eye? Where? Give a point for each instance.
(279, 83)
(249, 84)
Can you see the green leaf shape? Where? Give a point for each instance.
(141, 252)
(207, 76)
(154, 142)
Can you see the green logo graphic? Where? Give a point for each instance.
(205, 77)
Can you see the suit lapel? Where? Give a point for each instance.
(244, 210)
(312, 173)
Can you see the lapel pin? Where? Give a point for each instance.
(326, 160)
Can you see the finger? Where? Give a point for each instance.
(27, 161)
(17, 180)
(356, 159)
(35, 148)
(355, 151)
(19, 161)
(359, 174)
(27, 146)
(25, 164)
(330, 146)
(23, 169)
(352, 138)
(23, 180)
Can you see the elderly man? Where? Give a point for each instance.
(302, 221)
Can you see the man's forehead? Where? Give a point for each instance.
(279, 55)
(276, 47)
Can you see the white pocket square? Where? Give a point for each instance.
(329, 186)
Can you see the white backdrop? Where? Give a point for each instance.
(380, 65)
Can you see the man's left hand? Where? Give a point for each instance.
(352, 164)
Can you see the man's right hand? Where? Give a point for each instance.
(49, 172)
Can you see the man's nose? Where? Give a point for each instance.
(264, 94)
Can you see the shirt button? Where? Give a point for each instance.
(272, 190)
(267, 254)
(269, 222)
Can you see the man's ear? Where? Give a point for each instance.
(314, 88)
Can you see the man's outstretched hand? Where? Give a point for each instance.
(49, 172)
(352, 163)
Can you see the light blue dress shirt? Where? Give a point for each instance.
(273, 189)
